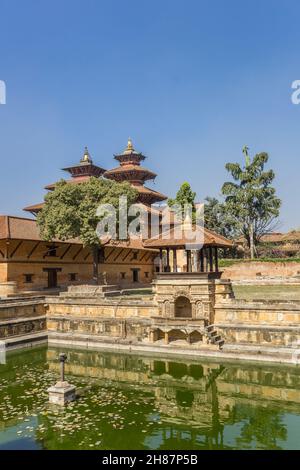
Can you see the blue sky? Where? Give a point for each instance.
(190, 81)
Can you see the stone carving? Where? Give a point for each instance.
(166, 309)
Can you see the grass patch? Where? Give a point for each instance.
(273, 292)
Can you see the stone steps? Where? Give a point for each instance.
(214, 337)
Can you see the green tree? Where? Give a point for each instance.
(70, 212)
(217, 218)
(250, 199)
(185, 196)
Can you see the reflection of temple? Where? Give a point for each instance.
(195, 403)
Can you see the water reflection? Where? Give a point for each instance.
(133, 402)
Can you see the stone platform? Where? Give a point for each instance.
(90, 291)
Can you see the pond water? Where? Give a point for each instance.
(133, 402)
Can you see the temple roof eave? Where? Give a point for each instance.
(203, 238)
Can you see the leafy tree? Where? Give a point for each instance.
(251, 200)
(217, 218)
(70, 212)
(185, 196)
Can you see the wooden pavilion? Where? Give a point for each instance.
(200, 244)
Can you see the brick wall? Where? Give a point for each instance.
(259, 270)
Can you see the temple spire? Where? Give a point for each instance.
(86, 157)
(129, 147)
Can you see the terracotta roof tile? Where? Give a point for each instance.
(202, 236)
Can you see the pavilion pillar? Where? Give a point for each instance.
(188, 261)
(160, 260)
(211, 261)
(216, 260)
(168, 261)
(201, 253)
(205, 262)
(174, 260)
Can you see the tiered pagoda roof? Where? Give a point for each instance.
(80, 173)
(130, 170)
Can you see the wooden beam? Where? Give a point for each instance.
(18, 246)
(144, 256)
(66, 251)
(74, 257)
(86, 256)
(106, 257)
(119, 254)
(127, 254)
(1, 253)
(33, 250)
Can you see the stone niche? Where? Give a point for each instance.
(190, 295)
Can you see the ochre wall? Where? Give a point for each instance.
(3, 272)
(29, 258)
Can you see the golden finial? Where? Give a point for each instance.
(86, 156)
(129, 147)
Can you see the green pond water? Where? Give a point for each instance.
(133, 402)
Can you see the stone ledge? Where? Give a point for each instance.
(101, 302)
(110, 320)
(24, 341)
(290, 357)
(21, 320)
(20, 303)
(261, 305)
(258, 326)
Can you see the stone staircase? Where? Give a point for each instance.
(213, 336)
(90, 291)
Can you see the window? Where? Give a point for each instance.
(146, 274)
(72, 276)
(123, 275)
(28, 278)
(51, 250)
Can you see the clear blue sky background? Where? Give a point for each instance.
(190, 81)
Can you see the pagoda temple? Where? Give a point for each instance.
(130, 170)
(27, 262)
(79, 173)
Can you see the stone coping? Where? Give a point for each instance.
(258, 326)
(258, 304)
(289, 355)
(180, 276)
(143, 320)
(24, 341)
(20, 303)
(101, 302)
(21, 320)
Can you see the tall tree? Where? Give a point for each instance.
(185, 196)
(70, 211)
(218, 219)
(251, 199)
